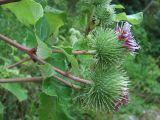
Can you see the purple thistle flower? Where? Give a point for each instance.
(124, 34)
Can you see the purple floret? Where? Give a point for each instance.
(124, 34)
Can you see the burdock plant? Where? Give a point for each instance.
(109, 79)
(109, 51)
(109, 90)
(94, 45)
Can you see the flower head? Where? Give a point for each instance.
(125, 34)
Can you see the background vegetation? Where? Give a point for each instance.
(143, 69)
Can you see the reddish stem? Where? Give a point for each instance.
(21, 80)
(33, 56)
(13, 43)
(36, 79)
(62, 72)
(77, 52)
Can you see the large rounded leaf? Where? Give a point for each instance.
(27, 11)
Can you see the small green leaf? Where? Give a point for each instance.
(31, 41)
(118, 6)
(47, 107)
(47, 70)
(67, 49)
(43, 51)
(74, 63)
(27, 11)
(16, 90)
(42, 29)
(49, 88)
(58, 60)
(119, 17)
(135, 18)
(55, 19)
(71, 58)
(51, 109)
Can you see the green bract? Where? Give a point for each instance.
(109, 50)
(105, 14)
(106, 90)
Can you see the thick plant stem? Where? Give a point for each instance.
(36, 79)
(34, 57)
(13, 43)
(21, 80)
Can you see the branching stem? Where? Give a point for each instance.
(21, 80)
(33, 56)
(62, 72)
(36, 79)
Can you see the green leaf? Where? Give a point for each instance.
(55, 19)
(42, 29)
(1, 111)
(27, 11)
(16, 90)
(119, 17)
(43, 51)
(51, 109)
(47, 107)
(118, 6)
(58, 60)
(47, 70)
(49, 88)
(31, 41)
(135, 18)
(42, 2)
(71, 58)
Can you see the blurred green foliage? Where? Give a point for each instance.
(143, 70)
